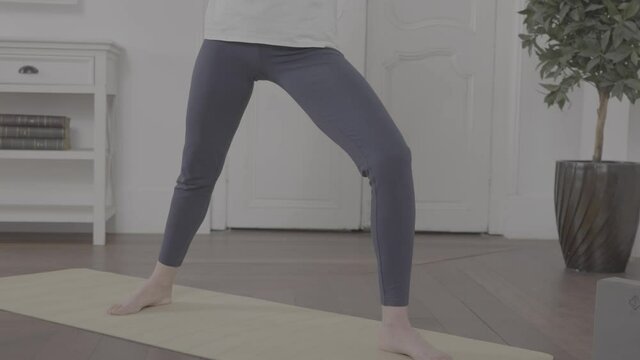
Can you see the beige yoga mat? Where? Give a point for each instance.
(216, 325)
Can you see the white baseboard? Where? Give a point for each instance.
(530, 217)
(533, 217)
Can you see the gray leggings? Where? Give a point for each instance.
(338, 100)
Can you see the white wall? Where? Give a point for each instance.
(161, 39)
(540, 135)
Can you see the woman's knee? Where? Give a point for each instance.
(390, 161)
(200, 177)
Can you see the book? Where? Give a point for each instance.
(32, 132)
(35, 144)
(53, 121)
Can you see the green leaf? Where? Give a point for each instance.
(550, 99)
(611, 7)
(592, 63)
(618, 55)
(573, 27)
(605, 40)
(593, 7)
(633, 83)
(561, 103)
(617, 36)
(631, 10)
(550, 87)
(635, 58)
(575, 15)
(546, 67)
(617, 89)
(590, 52)
(563, 12)
(631, 26)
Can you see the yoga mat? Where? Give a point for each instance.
(216, 325)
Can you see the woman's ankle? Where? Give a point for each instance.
(395, 316)
(164, 274)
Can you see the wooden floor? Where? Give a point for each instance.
(514, 292)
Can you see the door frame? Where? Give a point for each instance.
(506, 107)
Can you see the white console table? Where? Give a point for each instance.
(63, 68)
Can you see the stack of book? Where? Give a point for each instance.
(34, 132)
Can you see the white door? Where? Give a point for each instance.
(282, 170)
(431, 62)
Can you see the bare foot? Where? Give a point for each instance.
(408, 341)
(151, 293)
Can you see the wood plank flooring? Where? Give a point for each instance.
(514, 292)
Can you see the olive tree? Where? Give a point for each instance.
(594, 41)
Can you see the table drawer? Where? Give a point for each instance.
(46, 70)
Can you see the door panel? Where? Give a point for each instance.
(284, 172)
(431, 62)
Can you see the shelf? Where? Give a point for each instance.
(51, 213)
(57, 89)
(33, 187)
(75, 154)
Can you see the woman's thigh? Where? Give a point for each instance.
(341, 102)
(222, 82)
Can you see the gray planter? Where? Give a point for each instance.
(597, 206)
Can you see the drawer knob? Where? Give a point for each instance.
(28, 69)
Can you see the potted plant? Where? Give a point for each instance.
(596, 202)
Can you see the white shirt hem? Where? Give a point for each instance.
(252, 38)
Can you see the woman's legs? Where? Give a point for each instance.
(221, 85)
(343, 105)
